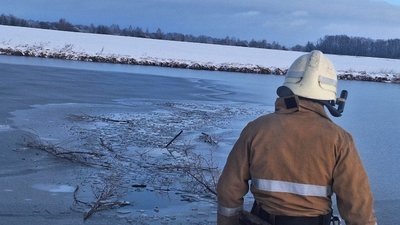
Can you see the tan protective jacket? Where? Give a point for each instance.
(296, 158)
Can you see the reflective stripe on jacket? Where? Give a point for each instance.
(295, 159)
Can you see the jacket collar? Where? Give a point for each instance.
(291, 104)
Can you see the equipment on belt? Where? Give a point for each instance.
(258, 216)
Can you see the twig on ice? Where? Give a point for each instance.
(201, 182)
(173, 139)
(102, 202)
(76, 200)
(105, 145)
(208, 139)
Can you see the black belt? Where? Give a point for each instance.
(292, 220)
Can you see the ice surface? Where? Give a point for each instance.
(4, 127)
(54, 188)
(168, 195)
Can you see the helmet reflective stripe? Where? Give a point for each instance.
(295, 74)
(321, 79)
(293, 188)
(312, 76)
(225, 211)
(327, 81)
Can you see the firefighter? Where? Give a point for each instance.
(296, 157)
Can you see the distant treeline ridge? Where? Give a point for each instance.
(330, 44)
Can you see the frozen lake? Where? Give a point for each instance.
(37, 90)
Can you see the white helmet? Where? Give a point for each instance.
(312, 76)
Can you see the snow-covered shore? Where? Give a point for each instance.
(139, 51)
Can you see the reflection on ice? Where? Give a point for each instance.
(54, 188)
(4, 127)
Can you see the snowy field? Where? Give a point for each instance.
(73, 45)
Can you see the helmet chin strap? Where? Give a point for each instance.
(340, 102)
(284, 91)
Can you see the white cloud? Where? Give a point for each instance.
(298, 22)
(392, 2)
(300, 13)
(248, 14)
(274, 20)
(374, 31)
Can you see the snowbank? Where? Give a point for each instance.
(139, 51)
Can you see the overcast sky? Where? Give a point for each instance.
(288, 22)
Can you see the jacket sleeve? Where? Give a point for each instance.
(233, 182)
(351, 185)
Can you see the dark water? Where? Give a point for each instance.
(371, 113)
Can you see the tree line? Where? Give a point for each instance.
(330, 44)
(131, 31)
(355, 46)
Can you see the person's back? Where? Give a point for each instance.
(299, 149)
(296, 158)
